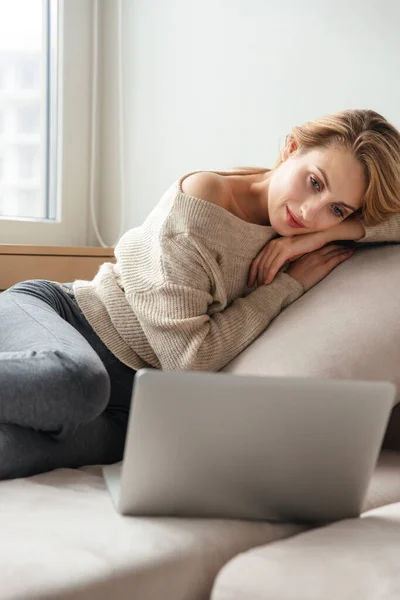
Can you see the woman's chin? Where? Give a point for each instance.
(282, 228)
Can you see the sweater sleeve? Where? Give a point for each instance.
(388, 231)
(175, 317)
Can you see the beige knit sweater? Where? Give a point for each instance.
(177, 297)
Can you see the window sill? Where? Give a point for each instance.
(56, 263)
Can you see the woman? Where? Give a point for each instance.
(191, 288)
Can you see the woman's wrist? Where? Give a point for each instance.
(349, 229)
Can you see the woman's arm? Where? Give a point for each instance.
(354, 229)
(174, 317)
(276, 253)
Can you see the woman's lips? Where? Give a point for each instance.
(290, 219)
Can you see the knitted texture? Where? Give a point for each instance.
(177, 296)
(388, 231)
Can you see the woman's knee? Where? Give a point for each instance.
(54, 391)
(87, 382)
(77, 390)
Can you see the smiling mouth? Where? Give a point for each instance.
(291, 220)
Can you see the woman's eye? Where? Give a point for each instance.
(338, 212)
(315, 184)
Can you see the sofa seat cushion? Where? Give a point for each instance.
(353, 558)
(62, 538)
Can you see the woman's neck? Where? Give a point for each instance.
(249, 198)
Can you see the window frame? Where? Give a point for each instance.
(71, 185)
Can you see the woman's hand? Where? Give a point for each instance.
(313, 267)
(279, 251)
(276, 253)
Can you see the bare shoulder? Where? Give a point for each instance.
(207, 186)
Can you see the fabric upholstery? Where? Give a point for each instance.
(350, 559)
(61, 538)
(62, 528)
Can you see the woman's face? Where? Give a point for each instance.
(318, 189)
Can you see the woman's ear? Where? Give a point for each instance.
(289, 148)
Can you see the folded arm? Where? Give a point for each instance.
(278, 252)
(354, 229)
(174, 314)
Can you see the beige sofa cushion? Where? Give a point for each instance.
(351, 559)
(356, 559)
(61, 538)
(61, 531)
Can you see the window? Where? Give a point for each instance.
(25, 103)
(45, 95)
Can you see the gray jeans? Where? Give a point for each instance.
(64, 397)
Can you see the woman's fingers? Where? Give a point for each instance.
(332, 247)
(332, 258)
(272, 258)
(272, 268)
(313, 267)
(337, 255)
(270, 263)
(254, 268)
(259, 264)
(261, 267)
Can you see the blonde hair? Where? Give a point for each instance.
(373, 141)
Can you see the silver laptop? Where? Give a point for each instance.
(220, 445)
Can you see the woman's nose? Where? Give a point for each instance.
(307, 212)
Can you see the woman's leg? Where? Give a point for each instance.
(25, 452)
(51, 380)
(54, 387)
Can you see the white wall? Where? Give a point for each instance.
(217, 83)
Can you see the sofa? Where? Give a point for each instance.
(62, 539)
